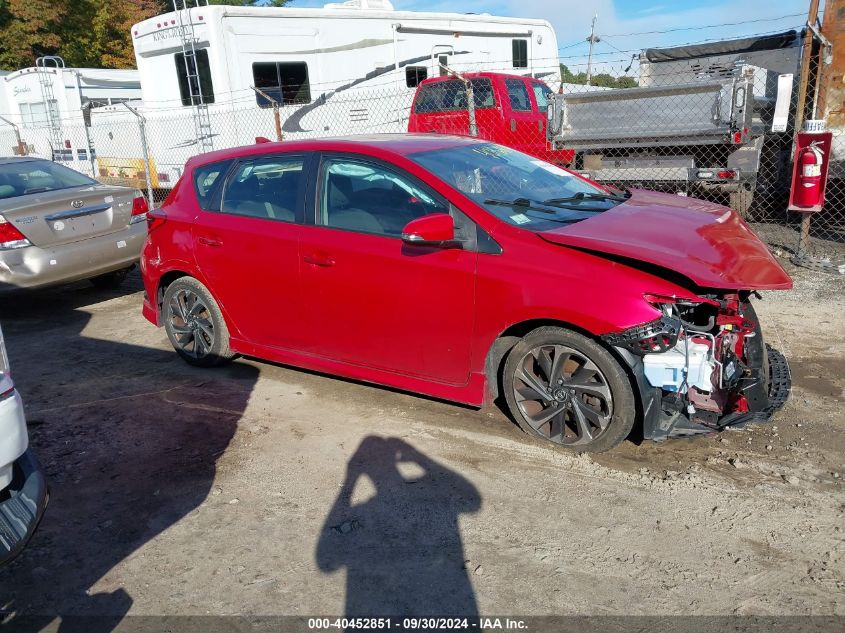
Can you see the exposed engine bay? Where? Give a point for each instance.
(703, 365)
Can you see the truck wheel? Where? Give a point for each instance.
(194, 324)
(565, 388)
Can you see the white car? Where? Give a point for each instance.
(23, 489)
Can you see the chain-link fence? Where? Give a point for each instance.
(717, 126)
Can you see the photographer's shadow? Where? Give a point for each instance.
(401, 547)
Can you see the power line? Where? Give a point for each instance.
(708, 41)
(708, 26)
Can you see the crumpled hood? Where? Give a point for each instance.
(708, 243)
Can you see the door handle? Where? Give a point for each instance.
(210, 241)
(319, 259)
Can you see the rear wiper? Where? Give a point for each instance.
(582, 196)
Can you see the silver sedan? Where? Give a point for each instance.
(58, 226)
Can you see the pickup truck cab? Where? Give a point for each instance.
(509, 110)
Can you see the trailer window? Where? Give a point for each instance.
(35, 114)
(193, 76)
(414, 75)
(285, 82)
(520, 53)
(451, 95)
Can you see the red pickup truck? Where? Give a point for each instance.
(509, 110)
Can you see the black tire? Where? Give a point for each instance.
(194, 324)
(112, 280)
(591, 404)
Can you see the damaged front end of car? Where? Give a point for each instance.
(702, 366)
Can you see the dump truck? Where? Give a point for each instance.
(709, 120)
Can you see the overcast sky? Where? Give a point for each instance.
(571, 20)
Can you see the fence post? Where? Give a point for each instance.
(21, 147)
(806, 52)
(86, 123)
(143, 129)
(276, 116)
(473, 124)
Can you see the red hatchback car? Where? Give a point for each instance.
(466, 270)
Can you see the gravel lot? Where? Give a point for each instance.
(260, 489)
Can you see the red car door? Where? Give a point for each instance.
(371, 299)
(520, 116)
(248, 249)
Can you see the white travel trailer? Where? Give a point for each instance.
(48, 104)
(343, 69)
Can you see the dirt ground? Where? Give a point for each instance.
(260, 489)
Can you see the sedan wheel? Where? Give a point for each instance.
(565, 388)
(194, 323)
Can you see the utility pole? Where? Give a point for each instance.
(592, 40)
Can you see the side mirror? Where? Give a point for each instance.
(437, 229)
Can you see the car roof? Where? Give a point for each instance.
(375, 144)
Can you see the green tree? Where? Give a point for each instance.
(605, 80)
(29, 29)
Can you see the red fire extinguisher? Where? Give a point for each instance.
(809, 177)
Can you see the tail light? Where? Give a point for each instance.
(10, 237)
(140, 208)
(155, 219)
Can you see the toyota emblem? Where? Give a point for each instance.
(76, 204)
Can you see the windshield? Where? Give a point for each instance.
(517, 188)
(23, 177)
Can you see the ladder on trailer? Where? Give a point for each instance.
(47, 67)
(202, 120)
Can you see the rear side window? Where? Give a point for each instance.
(207, 182)
(286, 82)
(451, 95)
(266, 188)
(518, 95)
(193, 76)
(520, 53)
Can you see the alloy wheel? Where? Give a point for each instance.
(563, 394)
(191, 323)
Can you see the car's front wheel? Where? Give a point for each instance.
(566, 388)
(194, 323)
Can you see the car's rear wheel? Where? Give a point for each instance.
(111, 280)
(566, 388)
(194, 323)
